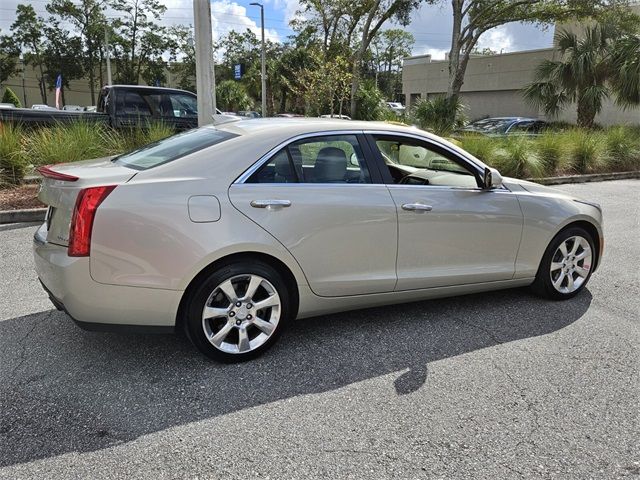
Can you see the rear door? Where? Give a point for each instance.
(321, 199)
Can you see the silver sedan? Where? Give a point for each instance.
(229, 232)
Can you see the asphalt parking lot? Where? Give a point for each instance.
(488, 386)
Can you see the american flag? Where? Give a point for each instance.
(58, 90)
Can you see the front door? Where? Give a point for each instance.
(319, 198)
(450, 231)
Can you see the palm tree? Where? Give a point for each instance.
(626, 63)
(592, 69)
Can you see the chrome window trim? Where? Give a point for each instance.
(267, 156)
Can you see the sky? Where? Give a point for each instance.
(430, 25)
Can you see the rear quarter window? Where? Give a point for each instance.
(173, 148)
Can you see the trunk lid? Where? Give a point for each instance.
(59, 192)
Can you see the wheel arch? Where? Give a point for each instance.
(592, 230)
(277, 264)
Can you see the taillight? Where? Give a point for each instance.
(88, 201)
(48, 173)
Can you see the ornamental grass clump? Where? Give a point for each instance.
(13, 159)
(481, 147)
(586, 151)
(622, 148)
(65, 143)
(551, 152)
(517, 158)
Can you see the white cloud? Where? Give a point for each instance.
(227, 16)
(499, 40)
(289, 8)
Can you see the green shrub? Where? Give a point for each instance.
(65, 143)
(13, 161)
(517, 158)
(551, 152)
(622, 149)
(370, 102)
(11, 97)
(585, 150)
(481, 147)
(440, 115)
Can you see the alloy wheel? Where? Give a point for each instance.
(571, 264)
(241, 314)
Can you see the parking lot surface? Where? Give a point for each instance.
(488, 386)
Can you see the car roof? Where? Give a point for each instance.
(299, 125)
(514, 119)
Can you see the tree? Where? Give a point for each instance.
(473, 18)
(28, 30)
(591, 69)
(11, 97)
(89, 20)
(231, 96)
(374, 14)
(183, 56)
(62, 55)
(9, 54)
(139, 41)
(388, 49)
(626, 63)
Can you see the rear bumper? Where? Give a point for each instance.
(96, 306)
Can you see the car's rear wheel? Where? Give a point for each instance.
(238, 311)
(567, 265)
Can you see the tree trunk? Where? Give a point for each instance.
(586, 115)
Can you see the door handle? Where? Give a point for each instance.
(417, 207)
(270, 203)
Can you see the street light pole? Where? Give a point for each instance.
(205, 78)
(264, 71)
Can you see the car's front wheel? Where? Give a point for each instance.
(566, 266)
(238, 311)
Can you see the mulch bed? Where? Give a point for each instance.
(22, 196)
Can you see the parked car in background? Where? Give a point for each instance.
(120, 106)
(73, 108)
(337, 116)
(7, 105)
(288, 115)
(40, 106)
(249, 114)
(228, 232)
(397, 107)
(501, 126)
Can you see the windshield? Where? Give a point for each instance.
(496, 125)
(173, 148)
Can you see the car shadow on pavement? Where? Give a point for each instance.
(65, 390)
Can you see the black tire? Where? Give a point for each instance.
(193, 322)
(543, 285)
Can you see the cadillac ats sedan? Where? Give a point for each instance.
(229, 232)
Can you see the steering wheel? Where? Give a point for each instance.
(414, 180)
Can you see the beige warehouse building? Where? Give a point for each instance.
(493, 85)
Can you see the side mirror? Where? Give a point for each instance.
(491, 179)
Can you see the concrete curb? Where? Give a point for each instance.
(592, 177)
(27, 215)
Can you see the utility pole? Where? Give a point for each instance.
(107, 48)
(264, 71)
(205, 78)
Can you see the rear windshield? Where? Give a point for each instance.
(172, 148)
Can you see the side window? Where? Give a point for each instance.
(277, 170)
(330, 159)
(522, 128)
(326, 159)
(134, 104)
(184, 105)
(416, 163)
